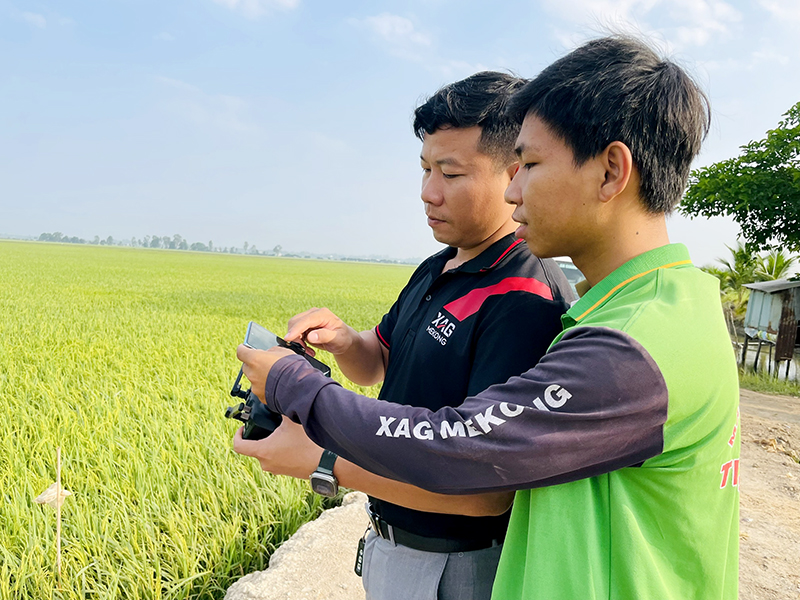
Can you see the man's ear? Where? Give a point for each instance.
(618, 163)
(512, 170)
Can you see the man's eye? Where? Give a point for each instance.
(529, 166)
(426, 170)
(451, 175)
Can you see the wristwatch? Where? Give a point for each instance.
(323, 481)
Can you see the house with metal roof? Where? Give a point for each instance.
(772, 318)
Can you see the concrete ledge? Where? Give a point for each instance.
(316, 563)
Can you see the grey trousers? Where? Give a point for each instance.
(400, 573)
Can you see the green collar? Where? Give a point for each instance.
(664, 257)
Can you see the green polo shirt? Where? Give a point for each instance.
(668, 528)
(624, 437)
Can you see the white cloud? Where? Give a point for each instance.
(769, 55)
(688, 22)
(35, 19)
(177, 84)
(458, 69)
(783, 10)
(220, 111)
(165, 37)
(255, 8)
(41, 21)
(693, 36)
(703, 19)
(599, 12)
(764, 56)
(401, 38)
(395, 30)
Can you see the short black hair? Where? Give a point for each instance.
(617, 88)
(480, 99)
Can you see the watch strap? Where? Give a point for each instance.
(326, 462)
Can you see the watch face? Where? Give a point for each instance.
(324, 485)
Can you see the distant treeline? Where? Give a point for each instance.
(177, 242)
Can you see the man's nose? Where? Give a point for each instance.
(513, 193)
(432, 192)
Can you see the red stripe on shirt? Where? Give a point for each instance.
(470, 304)
(509, 249)
(378, 331)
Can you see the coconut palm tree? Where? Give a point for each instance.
(776, 265)
(739, 269)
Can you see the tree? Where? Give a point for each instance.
(740, 268)
(760, 189)
(180, 243)
(776, 265)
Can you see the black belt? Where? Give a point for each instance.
(425, 543)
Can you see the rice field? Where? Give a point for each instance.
(124, 358)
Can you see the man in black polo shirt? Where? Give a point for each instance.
(480, 311)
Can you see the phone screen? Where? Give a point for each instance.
(259, 338)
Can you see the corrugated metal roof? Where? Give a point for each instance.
(770, 287)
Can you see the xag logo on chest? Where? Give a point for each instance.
(441, 329)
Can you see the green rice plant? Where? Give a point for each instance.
(124, 358)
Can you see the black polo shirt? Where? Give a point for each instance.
(451, 335)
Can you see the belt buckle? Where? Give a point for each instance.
(376, 521)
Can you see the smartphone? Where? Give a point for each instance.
(259, 338)
(262, 339)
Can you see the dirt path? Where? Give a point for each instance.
(770, 498)
(317, 563)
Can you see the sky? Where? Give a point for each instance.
(288, 122)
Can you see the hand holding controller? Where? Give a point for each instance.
(259, 421)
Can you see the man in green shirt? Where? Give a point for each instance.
(623, 440)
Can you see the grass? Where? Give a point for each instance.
(768, 384)
(124, 358)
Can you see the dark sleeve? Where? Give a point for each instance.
(385, 328)
(514, 332)
(595, 403)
